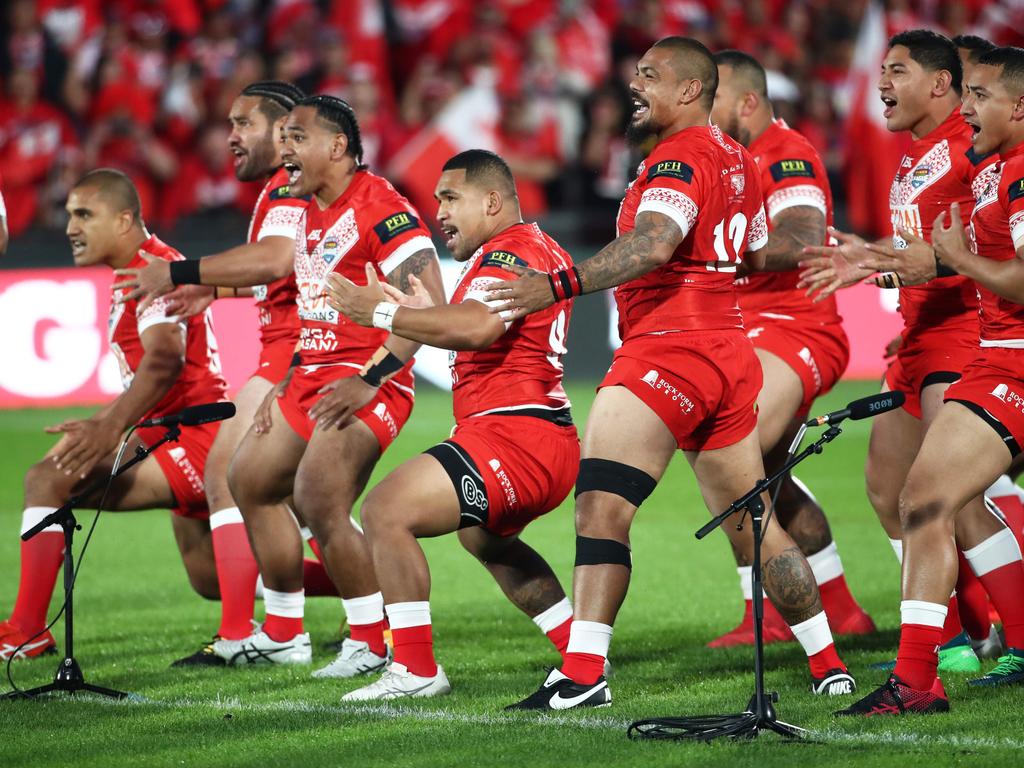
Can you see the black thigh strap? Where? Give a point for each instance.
(632, 484)
(469, 484)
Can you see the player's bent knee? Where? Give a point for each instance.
(602, 552)
(918, 511)
(43, 478)
(632, 484)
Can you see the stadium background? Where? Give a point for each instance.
(145, 85)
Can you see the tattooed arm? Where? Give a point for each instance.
(792, 230)
(422, 265)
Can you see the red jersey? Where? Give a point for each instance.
(936, 172)
(997, 231)
(200, 381)
(369, 222)
(708, 185)
(276, 214)
(792, 174)
(523, 368)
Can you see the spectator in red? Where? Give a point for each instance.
(71, 22)
(34, 136)
(27, 45)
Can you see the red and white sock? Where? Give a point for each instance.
(556, 623)
(587, 650)
(41, 559)
(366, 620)
(412, 637)
(815, 637)
(236, 573)
(1006, 495)
(997, 563)
(951, 627)
(972, 600)
(284, 614)
(920, 636)
(836, 598)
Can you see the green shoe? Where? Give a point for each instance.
(1008, 670)
(959, 658)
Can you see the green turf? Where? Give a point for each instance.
(135, 613)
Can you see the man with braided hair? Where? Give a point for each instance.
(342, 404)
(264, 261)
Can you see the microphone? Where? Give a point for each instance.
(193, 416)
(864, 408)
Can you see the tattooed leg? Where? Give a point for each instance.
(789, 582)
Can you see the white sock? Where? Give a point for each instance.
(405, 615)
(306, 533)
(259, 587)
(997, 550)
(1004, 486)
(897, 547)
(923, 613)
(226, 516)
(814, 634)
(364, 610)
(590, 637)
(555, 616)
(745, 572)
(826, 564)
(287, 605)
(33, 516)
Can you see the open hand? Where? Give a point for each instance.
(152, 280)
(354, 301)
(530, 293)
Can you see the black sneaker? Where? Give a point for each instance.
(835, 682)
(559, 692)
(897, 698)
(204, 657)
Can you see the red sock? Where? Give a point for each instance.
(1004, 586)
(1013, 511)
(315, 579)
(559, 636)
(282, 628)
(825, 660)
(371, 634)
(837, 600)
(414, 649)
(952, 627)
(972, 601)
(236, 574)
(918, 656)
(41, 559)
(583, 668)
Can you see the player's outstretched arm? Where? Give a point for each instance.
(649, 245)
(243, 266)
(85, 442)
(793, 229)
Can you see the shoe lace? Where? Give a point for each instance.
(1007, 664)
(894, 691)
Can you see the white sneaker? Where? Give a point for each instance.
(354, 658)
(398, 682)
(259, 648)
(991, 647)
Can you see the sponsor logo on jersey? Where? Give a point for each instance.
(1016, 190)
(501, 259)
(920, 176)
(738, 183)
(788, 169)
(277, 194)
(395, 225)
(330, 251)
(1001, 391)
(316, 234)
(672, 169)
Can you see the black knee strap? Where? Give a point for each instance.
(632, 484)
(602, 552)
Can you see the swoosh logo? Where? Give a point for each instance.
(559, 702)
(8, 649)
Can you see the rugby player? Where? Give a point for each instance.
(166, 364)
(686, 376)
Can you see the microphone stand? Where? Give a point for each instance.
(69, 677)
(760, 712)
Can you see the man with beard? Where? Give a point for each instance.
(686, 376)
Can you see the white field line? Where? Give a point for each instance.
(395, 712)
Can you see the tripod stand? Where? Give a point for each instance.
(760, 712)
(69, 677)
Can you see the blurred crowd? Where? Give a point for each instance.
(145, 85)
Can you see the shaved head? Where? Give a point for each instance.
(692, 60)
(484, 169)
(115, 189)
(745, 68)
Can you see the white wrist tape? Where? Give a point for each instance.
(384, 315)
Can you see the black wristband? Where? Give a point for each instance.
(185, 272)
(942, 270)
(375, 373)
(554, 288)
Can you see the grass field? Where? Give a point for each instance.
(135, 613)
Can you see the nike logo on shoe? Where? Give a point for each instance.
(557, 701)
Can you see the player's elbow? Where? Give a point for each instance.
(475, 337)
(755, 260)
(164, 367)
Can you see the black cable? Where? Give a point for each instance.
(78, 564)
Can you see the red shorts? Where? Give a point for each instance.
(527, 465)
(385, 415)
(935, 357)
(275, 360)
(993, 387)
(702, 384)
(183, 464)
(818, 353)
